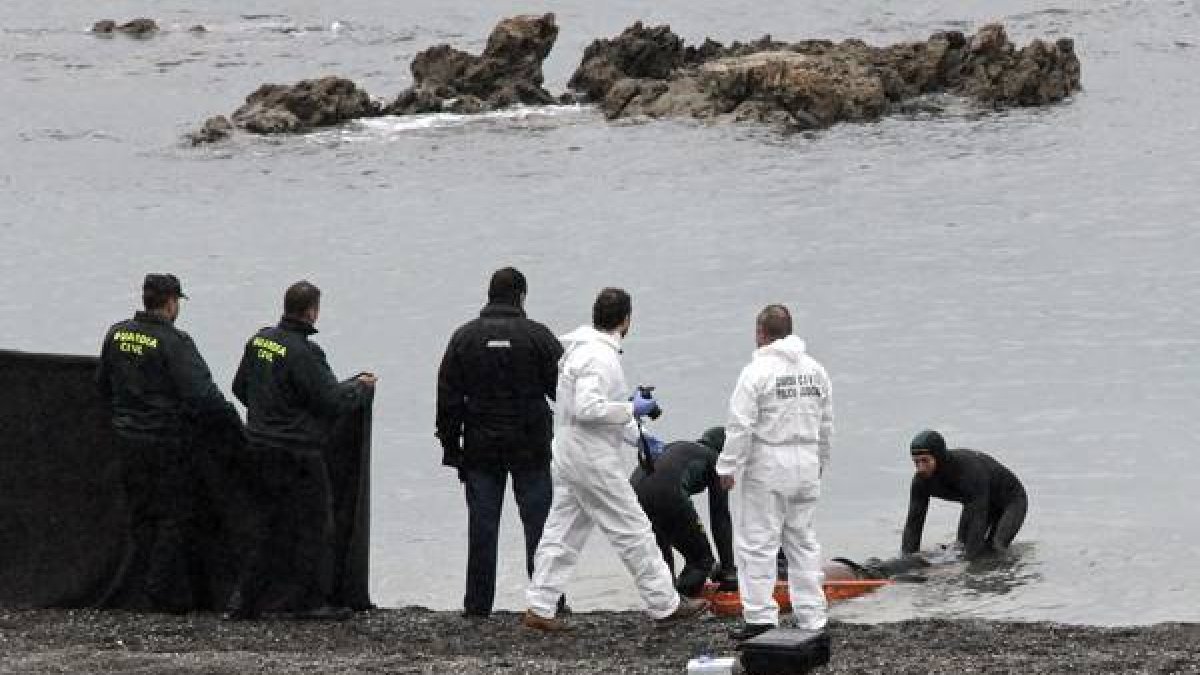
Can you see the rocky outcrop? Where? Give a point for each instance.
(811, 91)
(136, 28)
(445, 79)
(815, 83)
(638, 53)
(650, 71)
(995, 73)
(508, 72)
(213, 130)
(306, 105)
(292, 108)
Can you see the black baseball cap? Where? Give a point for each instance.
(163, 284)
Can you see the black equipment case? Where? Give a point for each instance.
(781, 651)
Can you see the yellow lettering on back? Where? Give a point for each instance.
(132, 342)
(265, 345)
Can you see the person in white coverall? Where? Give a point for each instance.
(593, 418)
(776, 447)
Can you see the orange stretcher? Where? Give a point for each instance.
(729, 603)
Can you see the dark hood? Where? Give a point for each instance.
(714, 437)
(931, 442)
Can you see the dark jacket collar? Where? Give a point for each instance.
(296, 325)
(150, 317)
(500, 308)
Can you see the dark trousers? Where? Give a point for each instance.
(534, 490)
(677, 526)
(289, 562)
(162, 570)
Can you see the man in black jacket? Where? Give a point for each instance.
(993, 499)
(162, 396)
(683, 469)
(493, 420)
(292, 402)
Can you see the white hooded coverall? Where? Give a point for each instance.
(776, 445)
(593, 419)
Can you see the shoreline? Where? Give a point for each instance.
(419, 640)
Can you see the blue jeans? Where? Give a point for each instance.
(534, 490)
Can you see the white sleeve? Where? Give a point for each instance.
(633, 433)
(825, 436)
(739, 427)
(592, 404)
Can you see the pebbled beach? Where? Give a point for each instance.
(417, 640)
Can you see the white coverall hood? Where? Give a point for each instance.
(582, 336)
(591, 413)
(791, 347)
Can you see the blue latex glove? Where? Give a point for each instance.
(642, 406)
(653, 447)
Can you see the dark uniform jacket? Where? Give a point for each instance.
(157, 383)
(495, 377)
(687, 468)
(974, 479)
(292, 398)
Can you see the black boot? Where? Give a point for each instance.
(749, 630)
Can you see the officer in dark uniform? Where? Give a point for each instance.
(161, 395)
(683, 469)
(292, 402)
(493, 420)
(993, 499)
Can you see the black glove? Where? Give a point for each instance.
(452, 453)
(452, 456)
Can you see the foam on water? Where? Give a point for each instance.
(390, 127)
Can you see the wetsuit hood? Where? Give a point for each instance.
(714, 437)
(931, 442)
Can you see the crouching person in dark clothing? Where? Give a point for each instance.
(683, 469)
(493, 420)
(162, 398)
(993, 499)
(292, 402)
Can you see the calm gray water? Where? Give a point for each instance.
(1025, 281)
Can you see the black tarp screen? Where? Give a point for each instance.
(63, 522)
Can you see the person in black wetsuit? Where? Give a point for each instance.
(683, 469)
(993, 499)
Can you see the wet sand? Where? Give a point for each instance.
(417, 640)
